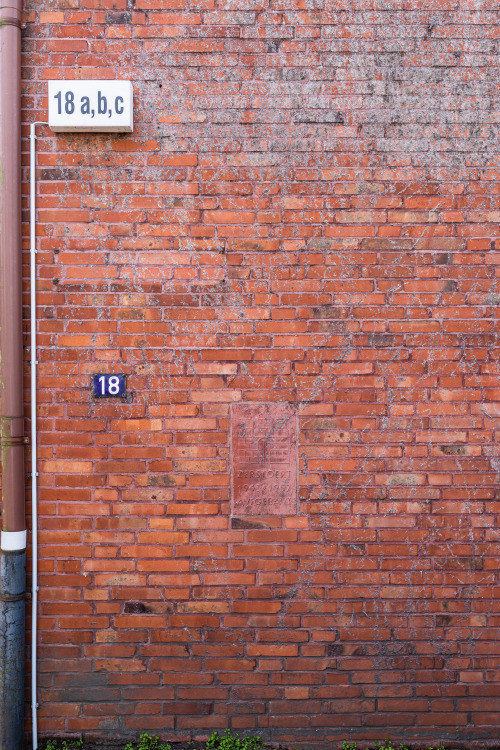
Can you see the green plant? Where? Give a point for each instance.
(229, 741)
(387, 745)
(64, 745)
(146, 742)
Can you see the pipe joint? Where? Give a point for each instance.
(13, 541)
(11, 428)
(12, 16)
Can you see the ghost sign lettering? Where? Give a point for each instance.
(86, 106)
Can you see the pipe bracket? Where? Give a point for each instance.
(12, 597)
(13, 440)
(10, 21)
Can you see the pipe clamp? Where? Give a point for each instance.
(10, 21)
(13, 440)
(12, 597)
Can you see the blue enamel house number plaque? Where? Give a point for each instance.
(109, 386)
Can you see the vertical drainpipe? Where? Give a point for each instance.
(13, 535)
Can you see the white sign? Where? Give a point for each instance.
(86, 106)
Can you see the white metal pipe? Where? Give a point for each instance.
(34, 472)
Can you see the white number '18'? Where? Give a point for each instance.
(113, 385)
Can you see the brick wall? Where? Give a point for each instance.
(307, 212)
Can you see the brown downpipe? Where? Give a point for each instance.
(13, 534)
(11, 343)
